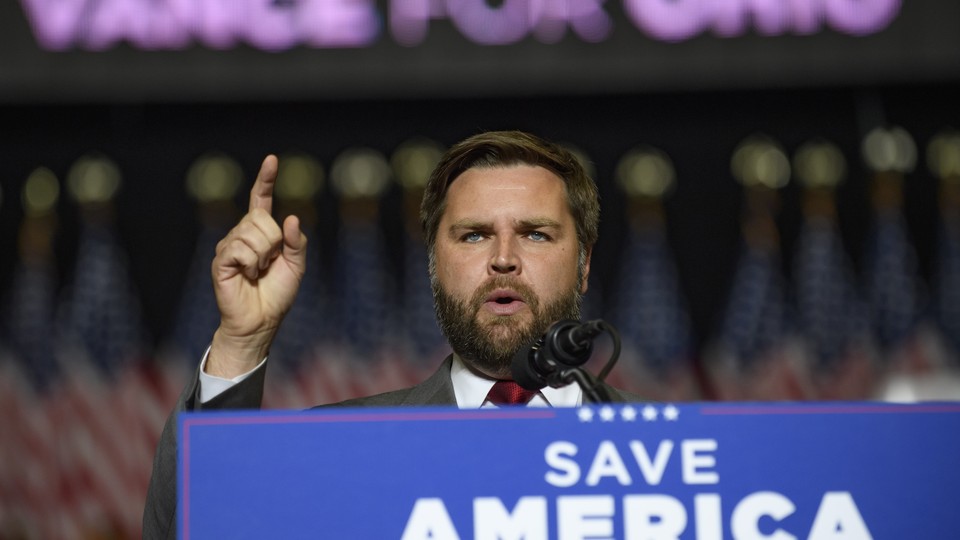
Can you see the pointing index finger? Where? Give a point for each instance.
(261, 194)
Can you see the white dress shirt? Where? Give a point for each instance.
(472, 389)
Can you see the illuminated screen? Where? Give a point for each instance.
(227, 49)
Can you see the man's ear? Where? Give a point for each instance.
(586, 270)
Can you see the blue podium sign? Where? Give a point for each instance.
(657, 471)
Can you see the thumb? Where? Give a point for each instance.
(294, 243)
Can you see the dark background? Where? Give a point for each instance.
(154, 112)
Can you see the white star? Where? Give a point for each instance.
(585, 414)
(649, 413)
(607, 414)
(671, 413)
(628, 413)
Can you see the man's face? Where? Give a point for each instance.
(506, 263)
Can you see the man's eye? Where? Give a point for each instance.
(472, 237)
(538, 236)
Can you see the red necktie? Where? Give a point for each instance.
(509, 393)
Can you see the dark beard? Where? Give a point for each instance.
(489, 348)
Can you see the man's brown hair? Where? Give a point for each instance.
(503, 149)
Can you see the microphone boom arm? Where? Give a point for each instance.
(593, 390)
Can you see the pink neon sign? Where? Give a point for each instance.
(276, 25)
(675, 20)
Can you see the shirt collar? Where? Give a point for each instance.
(471, 390)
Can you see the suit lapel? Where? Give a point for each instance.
(436, 390)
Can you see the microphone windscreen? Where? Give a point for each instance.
(524, 371)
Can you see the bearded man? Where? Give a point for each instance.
(510, 221)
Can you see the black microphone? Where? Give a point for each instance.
(566, 344)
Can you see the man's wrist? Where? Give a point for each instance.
(230, 357)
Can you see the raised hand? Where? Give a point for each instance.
(256, 273)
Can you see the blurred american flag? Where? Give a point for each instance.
(86, 407)
(833, 316)
(28, 454)
(650, 313)
(757, 355)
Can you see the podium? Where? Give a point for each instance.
(701, 471)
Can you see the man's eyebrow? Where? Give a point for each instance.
(537, 223)
(532, 223)
(471, 224)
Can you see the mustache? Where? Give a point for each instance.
(523, 290)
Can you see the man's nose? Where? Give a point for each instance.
(505, 259)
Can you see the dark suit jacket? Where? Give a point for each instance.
(160, 511)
